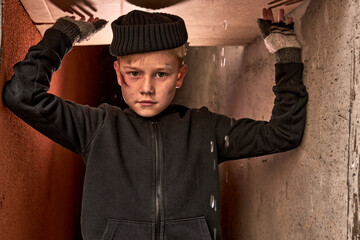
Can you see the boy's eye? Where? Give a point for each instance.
(134, 74)
(160, 74)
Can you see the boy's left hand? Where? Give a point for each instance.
(277, 35)
(79, 30)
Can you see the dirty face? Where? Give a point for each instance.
(148, 82)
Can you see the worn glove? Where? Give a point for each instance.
(281, 39)
(78, 30)
(278, 35)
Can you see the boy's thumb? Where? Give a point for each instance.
(99, 24)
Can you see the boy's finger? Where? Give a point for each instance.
(289, 20)
(264, 14)
(281, 16)
(270, 15)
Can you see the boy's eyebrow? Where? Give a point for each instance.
(167, 66)
(129, 67)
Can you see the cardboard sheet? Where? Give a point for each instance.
(209, 22)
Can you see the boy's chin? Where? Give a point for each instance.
(147, 113)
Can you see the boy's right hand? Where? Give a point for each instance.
(277, 35)
(79, 30)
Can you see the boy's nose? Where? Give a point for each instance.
(147, 86)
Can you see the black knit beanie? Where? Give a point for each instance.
(138, 32)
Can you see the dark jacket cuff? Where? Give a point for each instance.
(288, 55)
(57, 41)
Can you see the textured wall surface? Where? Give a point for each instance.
(310, 192)
(41, 182)
(210, 72)
(39, 190)
(307, 193)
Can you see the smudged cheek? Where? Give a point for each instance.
(124, 82)
(129, 93)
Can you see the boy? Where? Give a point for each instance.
(151, 170)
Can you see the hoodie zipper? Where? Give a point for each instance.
(158, 173)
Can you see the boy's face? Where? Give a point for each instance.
(149, 82)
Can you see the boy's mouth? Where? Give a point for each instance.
(146, 103)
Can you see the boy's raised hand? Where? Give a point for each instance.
(277, 35)
(79, 30)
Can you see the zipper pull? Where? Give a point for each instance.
(153, 121)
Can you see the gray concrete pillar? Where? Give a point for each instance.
(311, 192)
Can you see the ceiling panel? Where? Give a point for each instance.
(209, 22)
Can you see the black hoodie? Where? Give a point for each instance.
(150, 178)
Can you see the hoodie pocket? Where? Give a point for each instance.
(189, 229)
(120, 230)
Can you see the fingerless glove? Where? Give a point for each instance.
(78, 30)
(280, 38)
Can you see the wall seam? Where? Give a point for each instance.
(353, 228)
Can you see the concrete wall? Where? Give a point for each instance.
(307, 193)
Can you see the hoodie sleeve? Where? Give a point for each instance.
(69, 124)
(245, 138)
